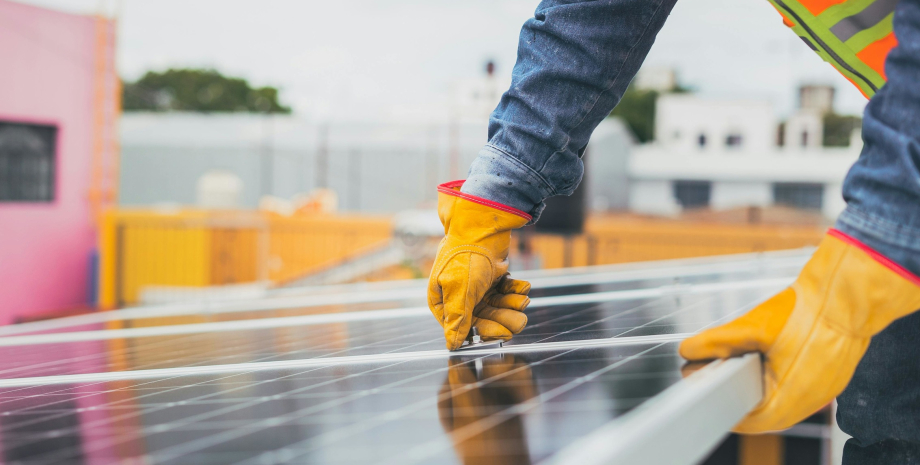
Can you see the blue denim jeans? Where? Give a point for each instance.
(881, 406)
(575, 59)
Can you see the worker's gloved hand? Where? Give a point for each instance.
(469, 283)
(472, 393)
(814, 333)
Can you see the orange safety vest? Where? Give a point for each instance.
(854, 36)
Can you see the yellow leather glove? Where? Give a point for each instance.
(469, 283)
(814, 333)
(463, 402)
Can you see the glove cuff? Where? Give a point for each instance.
(453, 188)
(881, 259)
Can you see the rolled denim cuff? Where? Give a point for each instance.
(897, 242)
(499, 177)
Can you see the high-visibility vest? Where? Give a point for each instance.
(854, 36)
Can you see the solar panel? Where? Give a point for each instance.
(310, 300)
(377, 387)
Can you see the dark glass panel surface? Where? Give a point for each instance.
(517, 408)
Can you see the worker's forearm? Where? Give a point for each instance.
(882, 189)
(575, 60)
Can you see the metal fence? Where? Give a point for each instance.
(376, 166)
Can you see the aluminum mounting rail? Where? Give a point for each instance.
(679, 426)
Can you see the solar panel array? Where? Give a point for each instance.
(286, 380)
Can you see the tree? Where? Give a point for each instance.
(203, 90)
(838, 128)
(637, 109)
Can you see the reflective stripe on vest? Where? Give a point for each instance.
(854, 36)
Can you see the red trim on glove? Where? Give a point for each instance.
(885, 261)
(453, 188)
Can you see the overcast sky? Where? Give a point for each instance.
(334, 58)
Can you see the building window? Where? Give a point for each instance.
(799, 195)
(27, 159)
(733, 141)
(701, 140)
(692, 194)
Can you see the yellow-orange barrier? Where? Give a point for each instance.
(195, 248)
(609, 240)
(299, 246)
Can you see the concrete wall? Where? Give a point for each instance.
(606, 164)
(804, 130)
(745, 179)
(48, 78)
(655, 197)
(833, 203)
(731, 194)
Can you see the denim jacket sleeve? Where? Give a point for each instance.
(575, 59)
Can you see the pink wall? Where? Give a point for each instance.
(47, 76)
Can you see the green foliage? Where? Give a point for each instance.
(203, 90)
(837, 129)
(637, 109)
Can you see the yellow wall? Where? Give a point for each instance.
(303, 245)
(614, 239)
(198, 248)
(204, 248)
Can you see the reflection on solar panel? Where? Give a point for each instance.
(335, 376)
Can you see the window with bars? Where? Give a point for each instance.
(734, 140)
(692, 194)
(27, 162)
(799, 195)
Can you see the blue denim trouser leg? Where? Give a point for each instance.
(881, 406)
(575, 60)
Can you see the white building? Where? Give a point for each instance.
(660, 78)
(724, 154)
(475, 98)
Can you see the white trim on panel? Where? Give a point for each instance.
(679, 426)
(334, 361)
(781, 261)
(373, 315)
